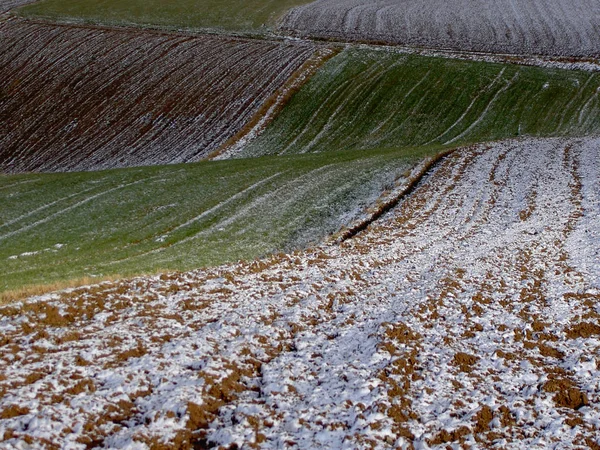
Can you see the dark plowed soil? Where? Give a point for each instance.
(80, 98)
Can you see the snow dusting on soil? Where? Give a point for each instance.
(546, 27)
(469, 315)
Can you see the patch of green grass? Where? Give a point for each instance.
(56, 227)
(240, 15)
(364, 99)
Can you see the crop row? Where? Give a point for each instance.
(77, 98)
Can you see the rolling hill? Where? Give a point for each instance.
(86, 98)
(467, 316)
(69, 226)
(363, 99)
(548, 27)
(336, 243)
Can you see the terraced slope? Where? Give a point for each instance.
(469, 316)
(255, 16)
(57, 227)
(549, 27)
(364, 99)
(75, 98)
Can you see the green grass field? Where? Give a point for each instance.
(364, 99)
(359, 124)
(57, 227)
(230, 15)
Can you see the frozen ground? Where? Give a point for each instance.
(468, 315)
(548, 27)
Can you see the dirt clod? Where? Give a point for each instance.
(464, 361)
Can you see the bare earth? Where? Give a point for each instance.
(469, 314)
(77, 98)
(542, 27)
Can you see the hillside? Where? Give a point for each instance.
(60, 227)
(248, 16)
(353, 224)
(85, 98)
(549, 27)
(7, 5)
(467, 316)
(363, 99)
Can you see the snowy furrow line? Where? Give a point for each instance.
(469, 107)
(220, 205)
(476, 122)
(73, 206)
(43, 207)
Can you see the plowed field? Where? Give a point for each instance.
(76, 98)
(549, 27)
(467, 316)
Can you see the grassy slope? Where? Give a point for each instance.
(129, 221)
(243, 15)
(364, 99)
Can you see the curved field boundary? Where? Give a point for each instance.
(85, 98)
(538, 27)
(390, 199)
(7, 5)
(364, 99)
(274, 105)
(64, 226)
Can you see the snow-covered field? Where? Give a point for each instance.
(549, 27)
(469, 314)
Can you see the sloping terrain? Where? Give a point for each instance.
(76, 98)
(363, 99)
(469, 315)
(550, 27)
(253, 16)
(57, 227)
(7, 5)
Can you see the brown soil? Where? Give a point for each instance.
(566, 394)
(13, 411)
(87, 98)
(464, 361)
(583, 330)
